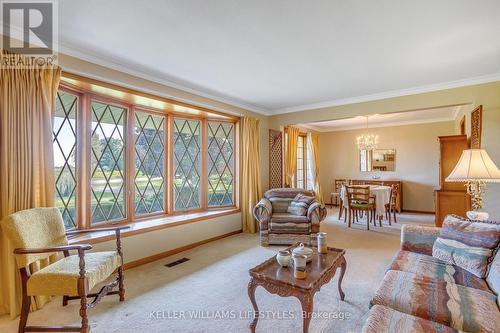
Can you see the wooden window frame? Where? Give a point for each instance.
(234, 169)
(83, 157)
(304, 161)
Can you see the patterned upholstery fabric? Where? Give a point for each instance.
(61, 277)
(277, 226)
(432, 268)
(263, 211)
(385, 320)
(34, 228)
(287, 239)
(450, 304)
(467, 244)
(316, 213)
(300, 204)
(288, 223)
(282, 197)
(419, 239)
(493, 278)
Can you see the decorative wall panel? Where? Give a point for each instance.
(476, 119)
(275, 159)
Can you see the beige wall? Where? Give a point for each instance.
(487, 94)
(417, 160)
(151, 243)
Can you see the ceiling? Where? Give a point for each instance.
(434, 115)
(289, 55)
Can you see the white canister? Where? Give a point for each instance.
(322, 246)
(283, 258)
(299, 266)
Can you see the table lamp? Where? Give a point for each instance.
(476, 168)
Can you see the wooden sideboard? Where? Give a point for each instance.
(399, 197)
(451, 197)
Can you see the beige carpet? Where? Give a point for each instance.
(209, 292)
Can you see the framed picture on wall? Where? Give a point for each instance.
(476, 122)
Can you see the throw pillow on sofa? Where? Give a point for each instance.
(467, 244)
(299, 204)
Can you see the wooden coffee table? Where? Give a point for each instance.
(280, 280)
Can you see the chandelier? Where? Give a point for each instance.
(367, 141)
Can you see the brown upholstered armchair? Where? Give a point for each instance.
(38, 234)
(279, 227)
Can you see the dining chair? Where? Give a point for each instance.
(390, 208)
(336, 193)
(343, 206)
(359, 200)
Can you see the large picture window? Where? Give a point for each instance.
(187, 164)
(64, 144)
(108, 162)
(122, 158)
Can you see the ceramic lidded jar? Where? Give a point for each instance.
(322, 246)
(283, 258)
(305, 251)
(299, 266)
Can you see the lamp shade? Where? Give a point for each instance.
(475, 165)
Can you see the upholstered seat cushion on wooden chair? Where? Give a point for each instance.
(61, 277)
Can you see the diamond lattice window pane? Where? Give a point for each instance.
(108, 162)
(149, 163)
(220, 163)
(64, 144)
(187, 164)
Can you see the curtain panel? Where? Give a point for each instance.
(26, 162)
(313, 170)
(250, 171)
(291, 138)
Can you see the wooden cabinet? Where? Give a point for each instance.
(451, 202)
(399, 197)
(451, 197)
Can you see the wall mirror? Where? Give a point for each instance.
(377, 160)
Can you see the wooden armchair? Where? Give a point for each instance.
(38, 234)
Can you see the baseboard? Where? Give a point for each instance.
(168, 253)
(418, 211)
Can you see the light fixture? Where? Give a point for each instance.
(367, 141)
(476, 168)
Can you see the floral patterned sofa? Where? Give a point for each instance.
(420, 293)
(279, 227)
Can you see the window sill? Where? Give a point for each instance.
(152, 224)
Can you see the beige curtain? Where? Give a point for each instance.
(26, 161)
(313, 152)
(291, 138)
(250, 171)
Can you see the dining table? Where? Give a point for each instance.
(381, 193)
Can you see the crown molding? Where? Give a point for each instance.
(388, 124)
(394, 93)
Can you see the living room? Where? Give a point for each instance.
(170, 168)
